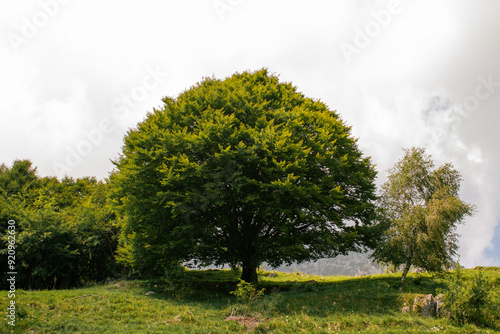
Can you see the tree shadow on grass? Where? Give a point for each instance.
(208, 287)
(374, 294)
(364, 295)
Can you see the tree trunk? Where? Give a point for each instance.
(249, 273)
(405, 272)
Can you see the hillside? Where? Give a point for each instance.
(199, 302)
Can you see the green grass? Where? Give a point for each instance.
(201, 303)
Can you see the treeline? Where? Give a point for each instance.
(65, 231)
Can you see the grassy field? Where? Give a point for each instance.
(201, 303)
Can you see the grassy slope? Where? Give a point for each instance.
(294, 303)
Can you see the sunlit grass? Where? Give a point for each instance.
(201, 303)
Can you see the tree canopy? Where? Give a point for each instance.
(242, 171)
(423, 207)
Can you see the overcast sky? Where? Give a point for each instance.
(75, 75)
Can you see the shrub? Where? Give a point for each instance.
(247, 293)
(472, 303)
(66, 233)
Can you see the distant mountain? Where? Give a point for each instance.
(354, 264)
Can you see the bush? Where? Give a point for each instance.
(66, 233)
(472, 303)
(247, 293)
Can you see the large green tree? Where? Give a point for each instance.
(243, 171)
(423, 208)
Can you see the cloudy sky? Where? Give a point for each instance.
(75, 75)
